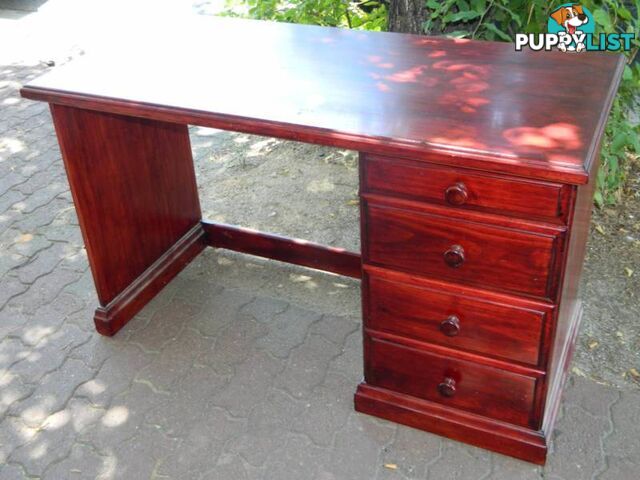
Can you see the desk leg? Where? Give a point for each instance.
(134, 189)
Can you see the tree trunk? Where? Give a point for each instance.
(406, 16)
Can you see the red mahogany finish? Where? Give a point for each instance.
(135, 193)
(458, 250)
(290, 250)
(475, 104)
(500, 326)
(477, 169)
(465, 188)
(456, 383)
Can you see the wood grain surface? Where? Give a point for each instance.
(470, 103)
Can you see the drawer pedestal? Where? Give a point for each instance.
(470, 311)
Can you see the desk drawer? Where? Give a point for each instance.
(462, 188)
(471, 253)
(479, 389)
(511, 331)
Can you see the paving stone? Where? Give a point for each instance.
(44, 290)
(202, 444)
(141, 455)
(299, 459)
(196, 292)
(220, 309)
(83, 290)
(228, 467)
(47, 319)
(620, 468)
(52, 393)
(175, 360)
(307, 366)
(249, 385)
(54, 439)
(10, 260)
(13, 434)
(49, 354)
(460, 461)
(12, 350)
(41, 179)
(335, 328)
(410, 451)
(264, 309)
(42, 264)
(82, 462)
(12, 472)
(10, 287)
(9, 199)
(123, 419)
(8, 220)
(41, 197)
(62, 230)
(74, 258)
(507, 468)
(10, 321)
(12, 389)
(267, 426)
(37, 122)
(114, 375)
(326, 410)
(258, 445)
(95, 352)
(577, 450)
(42, 219)
(233, 344)
(596, 400)
(28, 244)
(10, 180)
(287, 330)
(624, 440)
(349, 362)
(165, 326)
(181, 408)
(357, 449)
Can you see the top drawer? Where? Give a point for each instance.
(464, 188)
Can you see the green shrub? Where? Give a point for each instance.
(492, 20)
(367, 15)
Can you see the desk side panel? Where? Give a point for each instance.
(570, 309)
(134, 190)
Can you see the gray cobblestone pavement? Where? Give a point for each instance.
(239, 369)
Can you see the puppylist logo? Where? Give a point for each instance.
(571, 28)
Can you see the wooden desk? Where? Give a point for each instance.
(477, 171)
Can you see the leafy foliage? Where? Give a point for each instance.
(367, 14)
(492, 20)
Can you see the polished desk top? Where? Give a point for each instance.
(475, 104)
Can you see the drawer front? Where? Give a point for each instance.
(495, 329)
(463, 188)
(478, 389)
(467, 252)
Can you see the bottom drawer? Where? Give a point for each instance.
(460, 384)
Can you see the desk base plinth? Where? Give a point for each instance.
(112, 317)
(480, 431)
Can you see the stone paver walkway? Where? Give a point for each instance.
(239, 369)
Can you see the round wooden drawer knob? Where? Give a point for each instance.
(454, 257)
(447, 387)
(456, 194)
(451, 326)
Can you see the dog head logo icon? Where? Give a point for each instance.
(573, 22)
